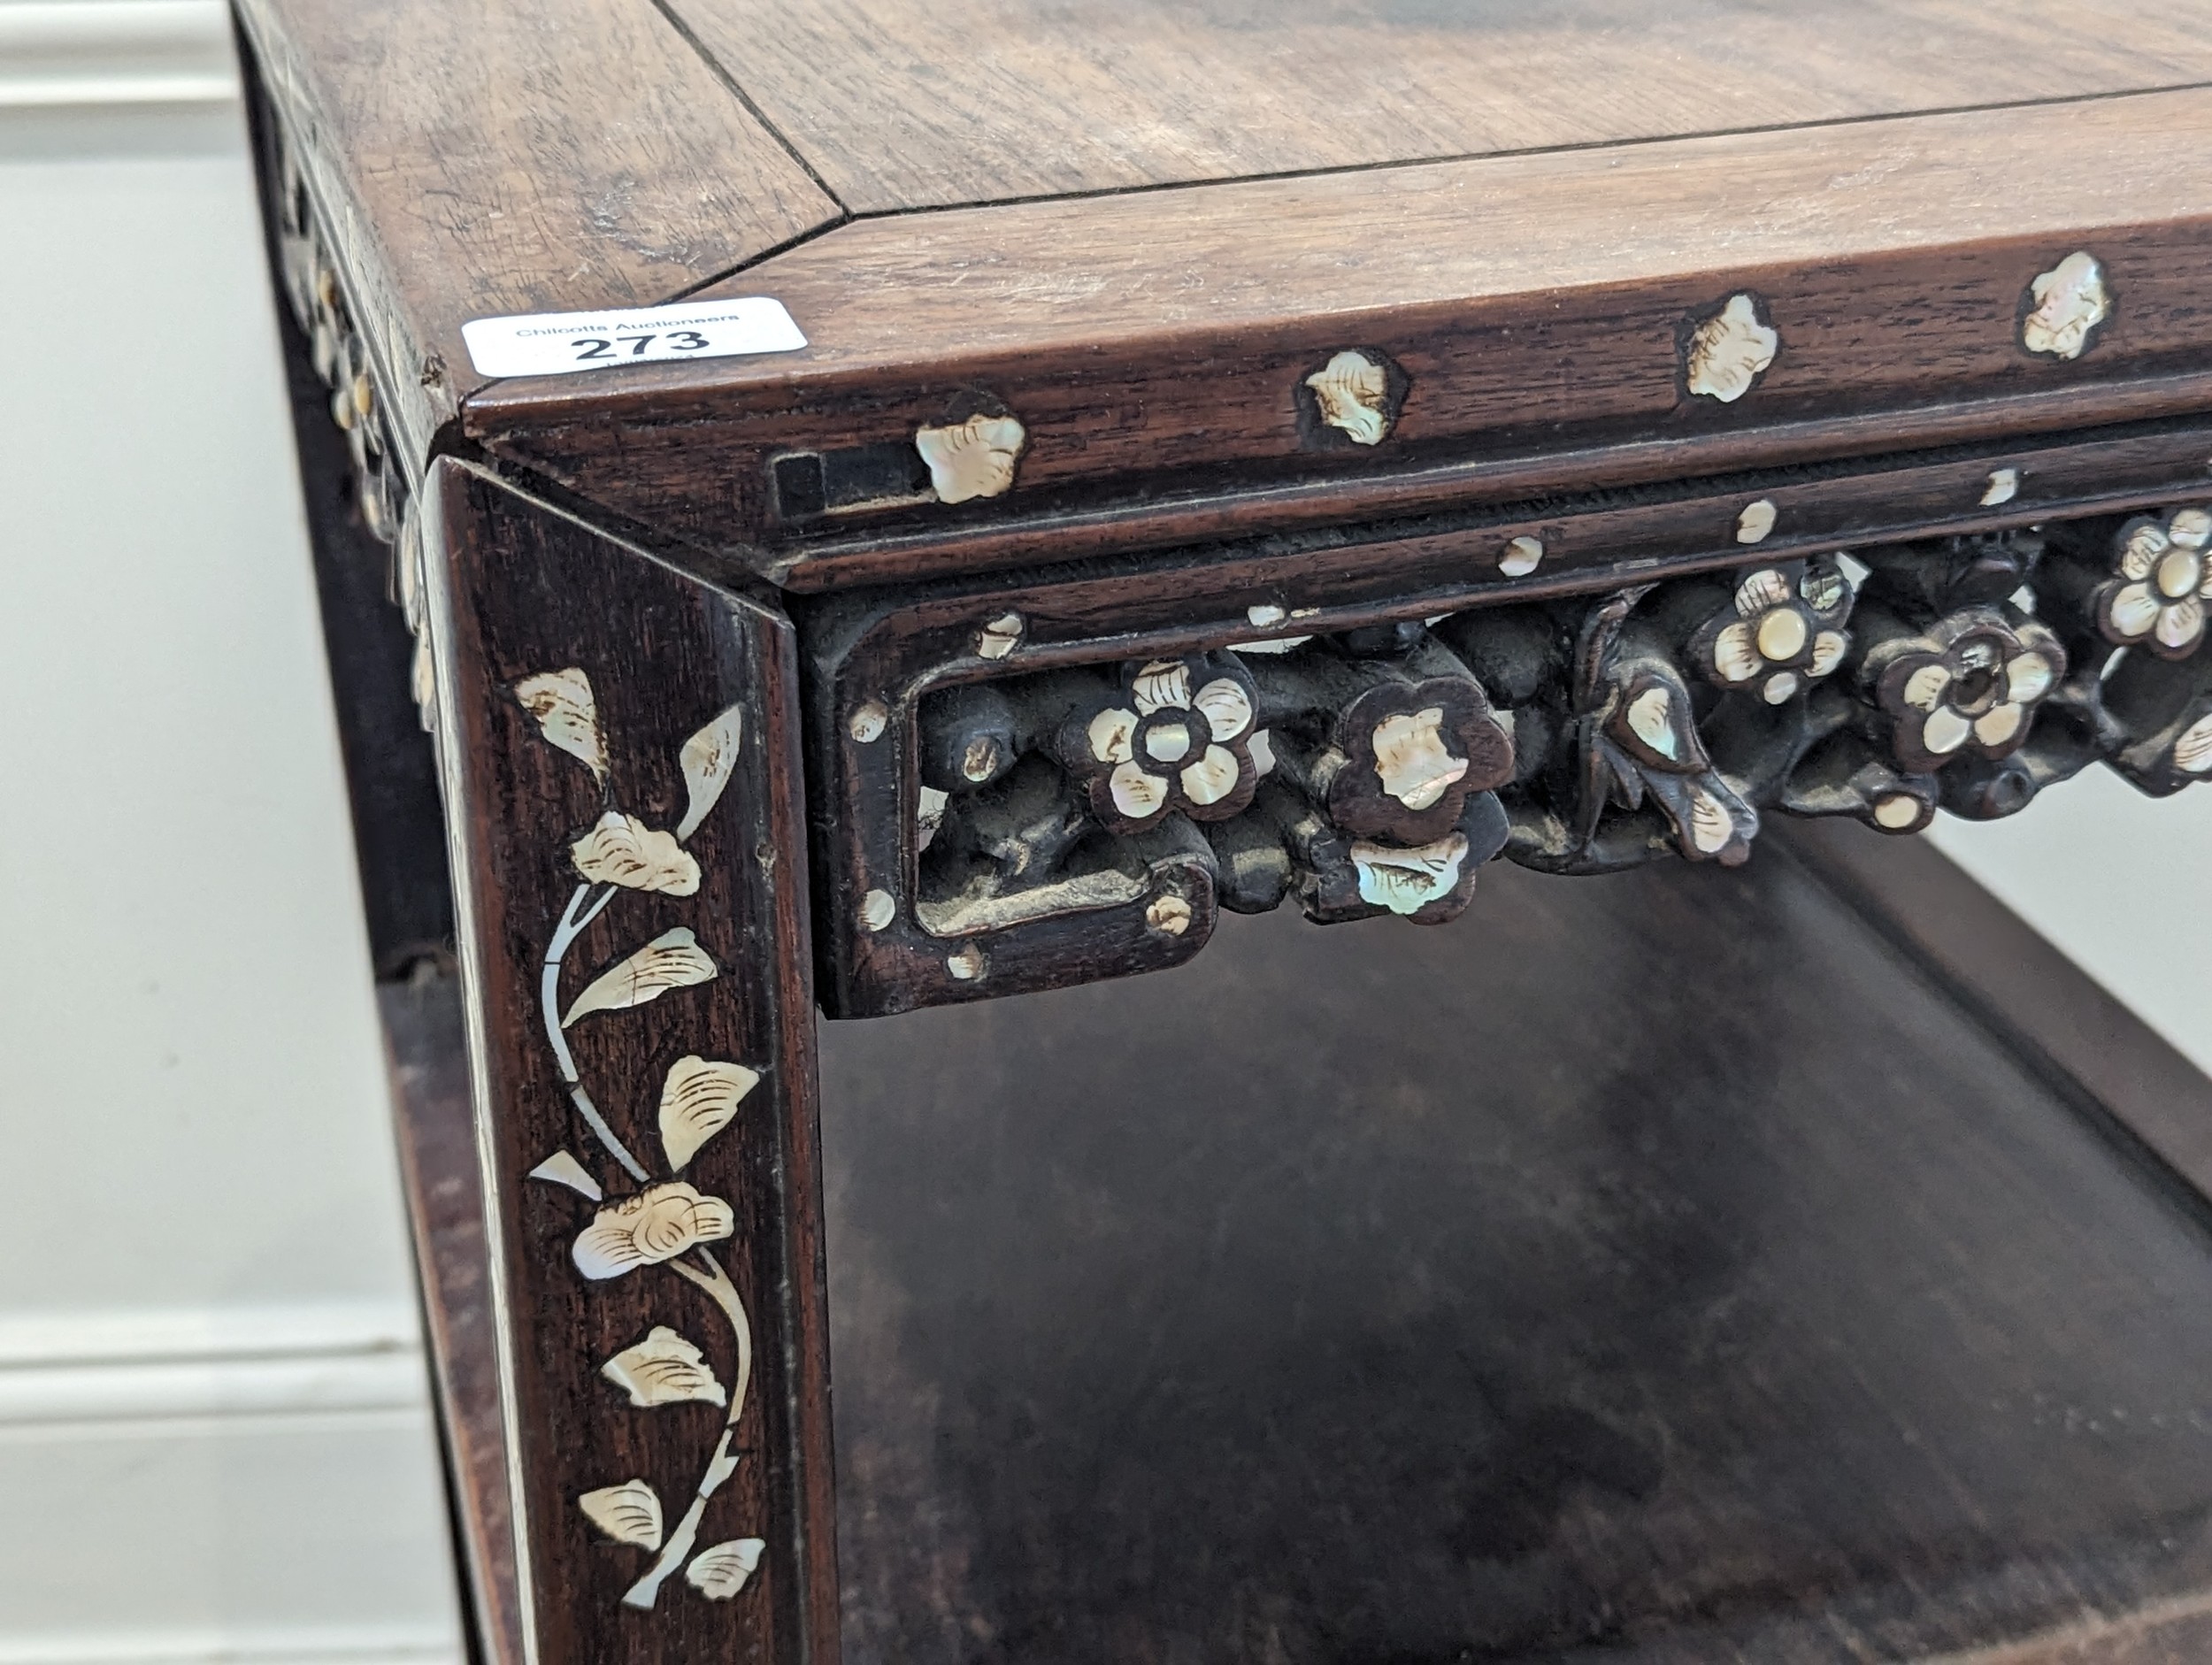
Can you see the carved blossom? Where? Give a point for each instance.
(1413, 753)
(1970, 686)
(1784, 631)
(2161, 585)
(1181, 739)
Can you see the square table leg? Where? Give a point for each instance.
(620, 760)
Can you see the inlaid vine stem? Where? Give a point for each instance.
(723, 1464)
(582, 909)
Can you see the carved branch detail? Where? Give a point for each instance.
(1374, 771)
(336, 350)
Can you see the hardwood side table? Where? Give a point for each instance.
(895, 505)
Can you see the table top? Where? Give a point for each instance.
(1144, 226)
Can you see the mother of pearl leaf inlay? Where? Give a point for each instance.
(707, 759)
(720, 1572)
(665, 1369)
(672, 960)
(567, 715)
(668, 1222)
(698, 1099)
(561, 1168)
(1729, 351)
(629, 1513)
(2193, 752)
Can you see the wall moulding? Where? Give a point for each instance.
(161, 1367)
(59, 55)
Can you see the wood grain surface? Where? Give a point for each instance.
(424, 1043)
(1660, 1268)
(391, 775)
(1847, 1279)
(903, 103)
(525, 591)
(1153, 344)
(475, 160)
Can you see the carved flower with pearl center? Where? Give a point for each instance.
(1412, 752)
(1784, 632)
(657, 1225)
(1182, 739)
(2163, 581)
(1970, 686)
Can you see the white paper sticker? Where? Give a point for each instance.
(562, 343)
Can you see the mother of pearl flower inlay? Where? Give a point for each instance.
(670, 1223)
(2160, 586)
(970, 459)
(1728, 353)
(1972, 684)
(1410, 756)
(1179, 738)
(2068, 305)
(2193, 752)
(1353, 392)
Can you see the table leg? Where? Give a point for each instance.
(620, 766)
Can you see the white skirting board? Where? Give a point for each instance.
(249, 1485)
(109, 52)
(364, 1645)
(99, 1374)
(215, 1440)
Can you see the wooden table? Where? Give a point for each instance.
(896, 505)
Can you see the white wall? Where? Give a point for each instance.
(2121, 883)
(214, 1433)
